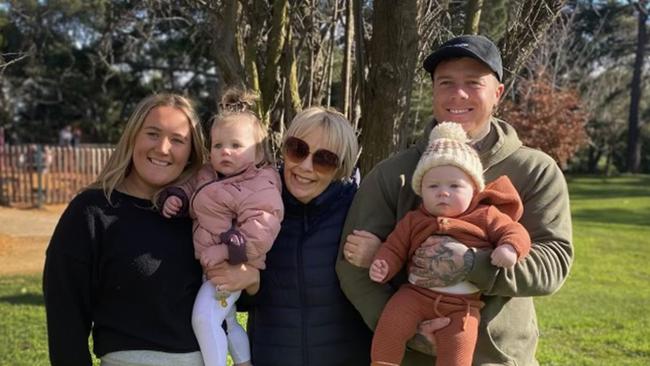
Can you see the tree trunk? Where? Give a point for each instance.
(608, 161)
(594, 156)
(312, 55)
(473, 16)
(293, 105)
(346, 78)
(359, 48)
(250, 52)
(276, 39)
(633, 131)
(392, 63)
(225, 49)
(330, 55)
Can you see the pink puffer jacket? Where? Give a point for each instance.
(251, 200)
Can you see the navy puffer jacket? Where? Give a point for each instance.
(300, 316)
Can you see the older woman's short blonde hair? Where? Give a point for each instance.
(120, 163)
(338, 135)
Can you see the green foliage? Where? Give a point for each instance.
(608, 27)
(619, 157)
(89, 62)
(606, 32)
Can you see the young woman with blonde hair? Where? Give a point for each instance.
(114, 266)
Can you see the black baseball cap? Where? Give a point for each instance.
(477, 47)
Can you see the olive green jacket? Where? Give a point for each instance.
(508, 330)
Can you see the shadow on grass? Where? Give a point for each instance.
(23, 299)
(603, 187)
(613, 216)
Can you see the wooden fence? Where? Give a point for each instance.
(33, 175)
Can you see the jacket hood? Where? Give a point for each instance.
(501, 194)
(505, 143)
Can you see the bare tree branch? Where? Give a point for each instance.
(15, 57)
(533, 18)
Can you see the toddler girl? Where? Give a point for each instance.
(236, 205)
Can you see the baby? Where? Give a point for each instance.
(449, 178)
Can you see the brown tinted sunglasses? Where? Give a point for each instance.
(297, 150)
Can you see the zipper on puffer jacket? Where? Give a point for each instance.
(301, 288)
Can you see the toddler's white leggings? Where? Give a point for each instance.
(207, 317)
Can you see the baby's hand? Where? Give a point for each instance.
(360, 247)
(172, 206)
(214, 255)
(504, 256)
(378, 270)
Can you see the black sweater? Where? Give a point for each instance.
(300, 316)
(122, 271)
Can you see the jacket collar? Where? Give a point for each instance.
(249, 172)
(500, 142)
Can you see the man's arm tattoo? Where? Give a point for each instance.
(446, 269)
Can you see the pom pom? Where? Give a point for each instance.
(448, 130)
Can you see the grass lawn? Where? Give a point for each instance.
(599, 317)
(22, 321)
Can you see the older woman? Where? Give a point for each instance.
(117, 268)
(300, 317)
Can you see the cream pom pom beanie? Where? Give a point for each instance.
(448, 146)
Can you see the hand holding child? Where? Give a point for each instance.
(504, 256)
(378, 270)
(172, 206)
(213, 255)
(424, 340)
(360, 247)
(233, 278)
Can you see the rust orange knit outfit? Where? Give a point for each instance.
(490, 218)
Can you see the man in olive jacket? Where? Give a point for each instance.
(466, 73)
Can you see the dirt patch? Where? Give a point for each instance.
(24, 235)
